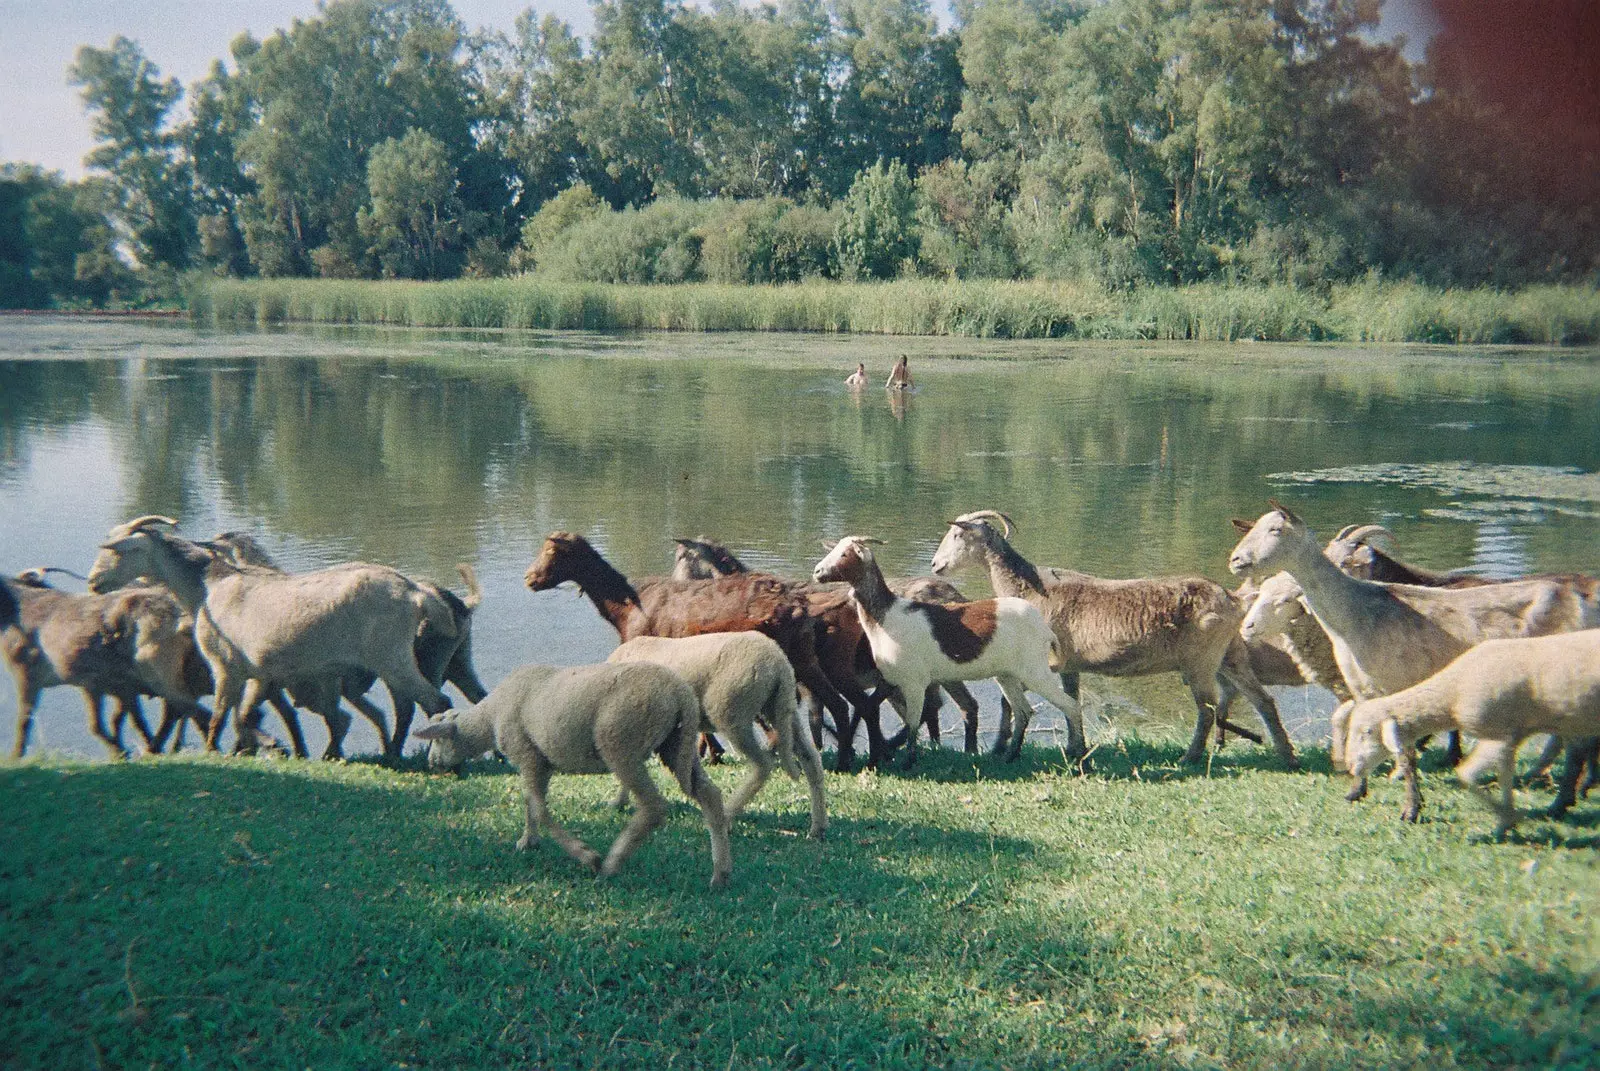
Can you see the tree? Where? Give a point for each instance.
(877, 230)
(130, 104)
(414, 223)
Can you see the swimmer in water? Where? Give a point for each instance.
(900, 377)
(858, 378)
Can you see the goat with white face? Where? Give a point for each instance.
(919, 643)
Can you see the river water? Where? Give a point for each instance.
(421, 449)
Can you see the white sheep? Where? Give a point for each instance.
(590, 719)
(742, 679)
(1501, 692)
(919, 643)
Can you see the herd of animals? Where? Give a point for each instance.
(717, 655)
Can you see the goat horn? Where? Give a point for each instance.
(1288, 513)
(870, 540)
(138, 523)
(986, 513)
(469, 577)
(1364, 534)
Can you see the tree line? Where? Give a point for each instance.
(1131, 142)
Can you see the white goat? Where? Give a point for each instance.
(587, 720)
(259, 631)
(919, 643)
(1388, 637)
(1501, 692)
(742, 679)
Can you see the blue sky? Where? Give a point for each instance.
(41, 117)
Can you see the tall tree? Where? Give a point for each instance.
(414, 223)
(130, 104)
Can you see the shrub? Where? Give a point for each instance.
(802, 244)
(877, 231)
(560, 213)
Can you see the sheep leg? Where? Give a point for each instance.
(1406, 763)
(744, 740)
(1553, 748)
(404, 713)
(1502, 755)
(1577, 754)
(223, 703)
(1265, 707)
(678, 755)
(1003, 731)
(97, 724)
(399, 700)
(1338, 730)
(535, 785)
(903, 709)
(1452, 749)
(1226, 694)
(649, 813)
(962, 696)
(338, 723)
(1064, 699)
(247, 720)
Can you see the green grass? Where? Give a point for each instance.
(1403, 312)
(206, 912)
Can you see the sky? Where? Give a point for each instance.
(41, 116)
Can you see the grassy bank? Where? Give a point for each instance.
(1368, 312)
(271, 914)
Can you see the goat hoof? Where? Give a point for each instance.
(1192, 758)
(525, 842)
(719, 881)
(1410, 814)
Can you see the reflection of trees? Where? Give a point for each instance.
(1119, 466)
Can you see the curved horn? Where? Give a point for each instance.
(469, 577)
(870, 540)
(1370, 534)
(127, 528)
(986, 514)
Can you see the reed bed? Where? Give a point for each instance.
(1362, 312)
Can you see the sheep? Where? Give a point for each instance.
(441, 656)
(1360, 551)
(1388, 637)
(664, 607)
(590, 719)
(917, 643)
(259, 630)
(702, 559)
(121, 645)
(1124, 628)
(741, 679)
(1500, 691)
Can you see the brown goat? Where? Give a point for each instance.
(659, 606)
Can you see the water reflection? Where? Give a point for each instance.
(424, 449)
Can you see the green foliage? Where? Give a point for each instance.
(566, 209)
(415, 223)
(130, 104)
(961, 212)
(659, 243)
(739, 241)
(802, 244)
(57, 242)
(877, 232)
(970, 915)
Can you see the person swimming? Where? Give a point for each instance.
(858, 378)
(900, 377)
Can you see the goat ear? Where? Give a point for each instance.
(828, 544)
(435, 730)
(1391, 737)
(1243, 525)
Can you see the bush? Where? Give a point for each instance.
(877, 231)
(555, 217)
(659, 243)
(738, 240)
(802, 244)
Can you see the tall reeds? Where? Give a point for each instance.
(1363, 312)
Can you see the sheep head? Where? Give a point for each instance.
(1276, 606)
(967, 539)
(1370, 735)
(447, 752)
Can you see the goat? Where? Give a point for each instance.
(917, 643)
(662, 607)
(1388, 637)
(1124, 628)
(259, 630)
(741, 679)
(701, 559)
(443, 657)
(590, 719)
(1356, 550)
(1500, 691)
(122, 645)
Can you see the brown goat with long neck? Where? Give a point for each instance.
(657, 606)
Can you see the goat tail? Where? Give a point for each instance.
(435, 613)
(469, 577)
